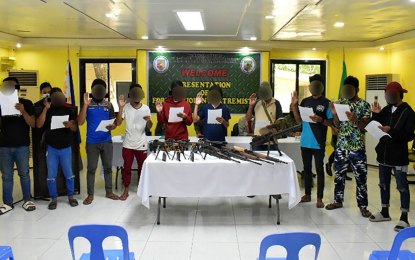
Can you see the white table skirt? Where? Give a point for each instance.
(216, 178)
(289, 146)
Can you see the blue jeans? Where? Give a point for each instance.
(8, 157)
(53, 158)
(385, 173)
(358, 163)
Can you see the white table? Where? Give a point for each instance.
(217, 178)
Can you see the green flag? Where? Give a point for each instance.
(344, 76)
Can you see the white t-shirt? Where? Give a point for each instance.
(135, 134)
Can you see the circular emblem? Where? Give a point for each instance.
(248, 65)
(160, 64)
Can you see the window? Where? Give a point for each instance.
(290, 75)
(118, 73)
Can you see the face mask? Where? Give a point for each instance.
(8, 88)
(349, 92)
(214, 97)
(316, 88)
(58, 100)
(136, 95)
(99, 92)
(179, 94)
(265, 93)
(392, 97)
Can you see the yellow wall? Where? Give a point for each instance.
(52, 63)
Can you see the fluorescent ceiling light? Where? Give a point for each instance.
(245, 49)
(286, 35)
(18, 45)
(253, 38)
(109, 15)
(338, 24)
(309, 33)
(269, 17)
(381, 48)
(144, 37)
(314, 49)
(192, 21)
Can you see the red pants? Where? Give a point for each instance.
(128, 156)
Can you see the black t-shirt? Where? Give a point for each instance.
(58, 138)
(40, 103)
(14, 131)
(320, 107)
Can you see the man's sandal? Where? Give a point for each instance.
(73, 202)
(365, 213)
(88, 200)
(124, 197)
(305, 198)
(112, 196)
(378, 217)
(5, 208)
(53, 205)
(332, 206)
(29, 206)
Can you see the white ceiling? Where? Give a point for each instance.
(367, 23)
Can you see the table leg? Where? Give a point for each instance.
(164, 202)
(278, 211)
(270, 201)
(158, 211)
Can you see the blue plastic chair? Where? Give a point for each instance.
(96, 234)
(292, 242)
(395, 253)
(6, 253)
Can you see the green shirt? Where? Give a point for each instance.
(351, 137)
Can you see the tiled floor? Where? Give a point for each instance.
(205, 228)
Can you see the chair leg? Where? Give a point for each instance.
(164, 202)
(270, 201)
(278, 211)
(158, 211)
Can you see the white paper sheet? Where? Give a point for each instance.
(139, 117)
(173, 114)
(102, 125)
(57, 122)
(373, 129)
(305, 113)
(261, 124)
(8, 103)
(213, 114)
(341, 110)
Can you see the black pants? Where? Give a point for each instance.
(307, 155)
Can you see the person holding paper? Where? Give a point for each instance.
(266, 110)
(350, 147)
(216, 128)
(45, 89)
(137, 119)
(14, 147)
(176, 129)
(58, 150)
(398, 120)
(98, 143)
(314, 135)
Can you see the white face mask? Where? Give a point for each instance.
(45, 95)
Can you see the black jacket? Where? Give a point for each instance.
(394, 150)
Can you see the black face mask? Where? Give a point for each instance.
(214, 97)
(98, 92)
(349, 92)
(265, 93)
(136, 95)
(316, 88)
(179, 93)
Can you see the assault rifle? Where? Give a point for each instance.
(259, 156)
(270, 137)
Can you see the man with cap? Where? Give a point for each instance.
(58, 141)
(177, 129)
(266, 108)
(314, 135)
(350, 148)
(14, 147)
(45, 89)
(398, 120)
(98, 143)
(212, 131)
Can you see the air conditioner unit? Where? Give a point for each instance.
(375, 88)
(7, 63)
(28, 80)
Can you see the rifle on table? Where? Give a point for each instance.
(206, 147)
(238, 155)
(270, 137)
(157, 146)
(259, 156)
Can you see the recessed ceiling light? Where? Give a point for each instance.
(269, 17)
(192, 21)
(309, 33)
(18, 45)
(109, 15)
(381, 48)
(314, 49)
(160, 48)
(144, 37)
(339, 24)
(253, 38)
(245, 49)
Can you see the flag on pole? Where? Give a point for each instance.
(68, 88)
(344, 76)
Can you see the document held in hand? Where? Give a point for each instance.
(373, 129)
(213, 114)
(8, 104)
(103, 124)
(57, 122)
(341, 110)
(305, 113)
(173, 114)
